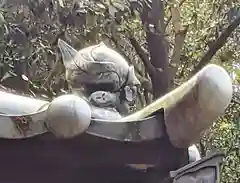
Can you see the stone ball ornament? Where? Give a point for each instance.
(22, 117)
(68, 116)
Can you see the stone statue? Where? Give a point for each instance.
(99, 68)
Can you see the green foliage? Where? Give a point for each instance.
(224, 135)
(30, 31)
(206, 21)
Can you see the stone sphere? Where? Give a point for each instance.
(68, 116)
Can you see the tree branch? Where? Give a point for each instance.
(115, 40)
(180, 34)
(217, 45)
(202, 148)
(145, 83)
(169, 18)
(143, 56)
(153, 20)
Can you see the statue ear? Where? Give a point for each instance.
(132, 78)
(102, 44)
(130, 93)
(68, 53)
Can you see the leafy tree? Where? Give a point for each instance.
(168, 40)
